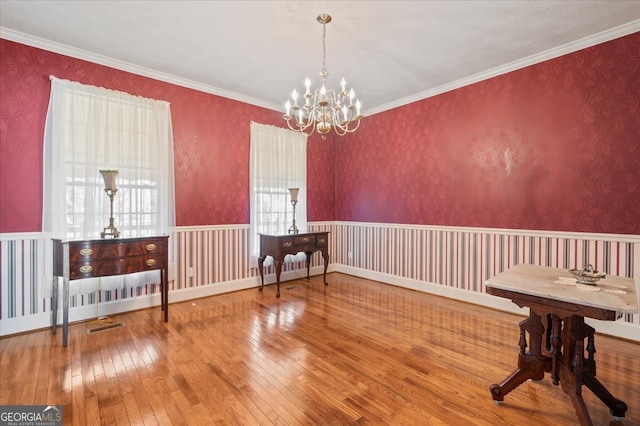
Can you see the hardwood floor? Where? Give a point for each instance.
(355, 352)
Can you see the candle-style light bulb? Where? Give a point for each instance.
(307, 84)
(294, 96)
(352, 95)
(357, 107)
(288, 107)
(343, 83)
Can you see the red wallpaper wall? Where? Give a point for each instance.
(211, 142)
(555, 146)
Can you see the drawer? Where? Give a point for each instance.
(304, 239)
(143, 247)
(102, 268)
(285, 243)
(148, 262)
(85, 252)
(322, 240)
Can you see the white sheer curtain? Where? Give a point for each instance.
(89, 129)
(278, 161)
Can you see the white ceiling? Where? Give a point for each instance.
(391, 52)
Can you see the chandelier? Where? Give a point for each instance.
(324, 109)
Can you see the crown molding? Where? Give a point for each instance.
(583, 43)
(592, 40)
(63, 49)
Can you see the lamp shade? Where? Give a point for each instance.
(294, 193)
(109, 177)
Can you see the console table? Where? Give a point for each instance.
(74, 260)
(557, 332)
(278, 246)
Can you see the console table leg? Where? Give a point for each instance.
(325, 256)
(308, 253)
(278, 264)
(165, 293)
(54, 306)
(65, 312)
(261, 269)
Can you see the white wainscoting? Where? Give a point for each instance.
(448, 261)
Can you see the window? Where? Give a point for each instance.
(90, 128)
(278, 162)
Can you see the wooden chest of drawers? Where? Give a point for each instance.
(74, 260)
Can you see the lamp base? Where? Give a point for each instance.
(110, 231)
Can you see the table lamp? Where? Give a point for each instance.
(293, 229)
(110, 188)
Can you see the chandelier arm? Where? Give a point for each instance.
(300, 129)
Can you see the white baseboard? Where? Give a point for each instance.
(34, 322)
(613, 328)
(254, 282)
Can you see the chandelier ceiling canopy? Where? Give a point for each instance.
(324, 109)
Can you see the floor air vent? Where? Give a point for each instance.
(105, 327)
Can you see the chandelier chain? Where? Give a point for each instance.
(324, 72)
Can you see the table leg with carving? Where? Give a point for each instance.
(582, 371)
(563, 309)
(556, 348)
(565, 362)
(531, 365)
(570, 371)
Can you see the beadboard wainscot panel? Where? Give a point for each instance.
(455, 262)
(215, 259)
(447, 261)
(25, 303)
(26, 284)
(216, 256)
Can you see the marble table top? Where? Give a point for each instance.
(612, 292)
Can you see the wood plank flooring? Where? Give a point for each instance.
(354, 352)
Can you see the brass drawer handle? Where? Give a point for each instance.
(151, 247)
(86, 269)
(86, 252)
(322, 240)
(150, 262)
(305, 239)
(287, 244)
